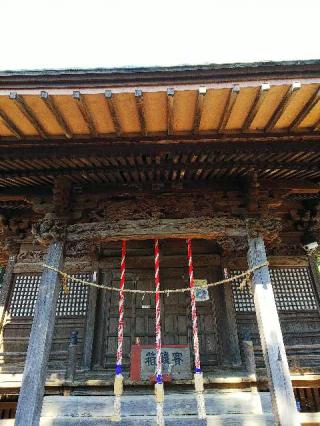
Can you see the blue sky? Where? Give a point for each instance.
(38, 34)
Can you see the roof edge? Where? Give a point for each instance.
(159, 75)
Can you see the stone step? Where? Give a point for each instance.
(177, 404)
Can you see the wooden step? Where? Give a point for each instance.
(229, 420)
(177, 404)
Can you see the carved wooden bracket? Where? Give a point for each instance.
(11, 231)
(48, 229)
(308, 219)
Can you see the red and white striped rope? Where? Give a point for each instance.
(158, 312)
(193, 311)
(121, 308)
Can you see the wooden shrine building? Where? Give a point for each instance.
(227, 156)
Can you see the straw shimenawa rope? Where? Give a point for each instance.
(246, 275)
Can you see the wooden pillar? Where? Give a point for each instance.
(90, 323)
(99, 353)
(35, 371)
(6, 289)
(227, 325)
(315, 276)
(282, 396)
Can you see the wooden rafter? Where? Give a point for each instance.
(10, 125)
(170, 102)
(113, 112)
(199, 107)
(282, 106)
(234, 92)
(140, 107)
(316, 125)
(83, 108)
(305, 110)
(165, 166)
(28, 113)
(259, 98)
(48, 100)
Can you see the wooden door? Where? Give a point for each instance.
(139, 317)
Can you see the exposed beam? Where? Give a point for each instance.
(259, 98)
(147, 229)
(113, 112)
(140, 107)
(282, 106)
(48, 100)
(199, 107)
(72, 149)
(224, 165)
(28, 113)
(170, 102)
(280, 188)
(234, 92)
(10, 124)
(305, 110)
(83, 108)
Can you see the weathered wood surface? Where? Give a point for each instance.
(226, 324)
(34, 376)
(72, 358)
(6, 289)
(283, 400)
(176, 404)
(151, 229)
(146, 229)
(274, 262)
(90, 322)
(315, 276)
(249, 361)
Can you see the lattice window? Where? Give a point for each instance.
(292, 287)
(75, 302)
(25, 295)
(243, 300)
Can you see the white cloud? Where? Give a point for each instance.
(86, 34)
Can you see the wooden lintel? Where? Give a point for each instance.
(234, 92)
(113, 112)
(170, 105)
(241, 263)
(282, 106)
(83, 108)
(199, 107)
(10, 125)
(140, 109)
(305, 110)
(144, 229)
(48, 100)
(28, 113)
(259, 98)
